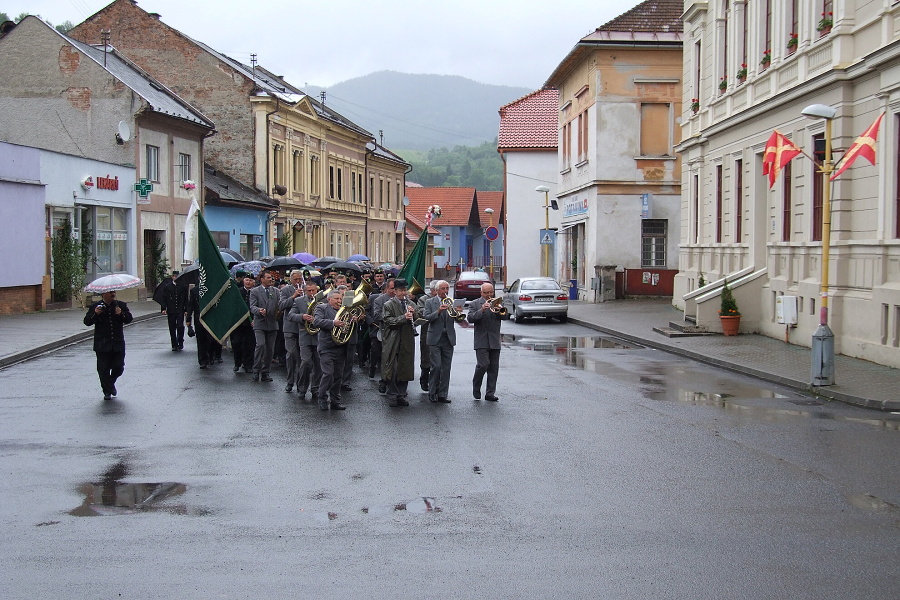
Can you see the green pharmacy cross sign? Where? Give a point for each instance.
(143, 188)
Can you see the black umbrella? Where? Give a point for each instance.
(190, 274)
(230, 256)
(345, 266)
(325, 261)
(285, 261)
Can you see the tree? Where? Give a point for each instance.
(4, 17)
(65, 26)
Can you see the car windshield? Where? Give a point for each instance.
(541, 284)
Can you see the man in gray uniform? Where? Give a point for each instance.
(264, 308)
(289, 295)
(309, 372)
(441, 338)
(487, 342)
(331, 355)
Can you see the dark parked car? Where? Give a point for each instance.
(536, 297)
(468, 284)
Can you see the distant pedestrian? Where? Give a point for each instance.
(108, 316)
(172, 299)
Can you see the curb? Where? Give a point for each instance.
(12, 359)
(830, 394)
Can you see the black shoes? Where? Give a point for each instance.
(444, 400)
(236, 368)
(346, 388)
(248, 369)
(382, 387)
(477, 393)
(338, 406)
(265, 377)
(202, 365)
(491, 398)
(432, 399)
(256, 377)
(398, 401)
(107, 396)
(289, 387)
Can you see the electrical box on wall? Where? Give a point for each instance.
(786, 310)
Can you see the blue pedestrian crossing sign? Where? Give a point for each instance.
(546, 238)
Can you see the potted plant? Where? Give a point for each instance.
(723, 84)
(729, 315)
(825, 23)
(792, 43)
(766, 59)
(695, 105)
(188, 184)
(742, 73)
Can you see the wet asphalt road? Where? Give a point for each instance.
(604, 472)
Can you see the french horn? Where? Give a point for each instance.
(350, 314)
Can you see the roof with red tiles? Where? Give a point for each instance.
(652, 16)
(492, 200)
(457, 204)
(530, 121)
(653, 22)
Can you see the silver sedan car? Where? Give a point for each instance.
(536, 297)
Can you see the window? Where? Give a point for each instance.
(698, 60)
(567, 146)
(331, 181)
(380, 193)
(278, 164)
(251, 246)
(653, 242)
(718, 204)
(696, 209)
(724, 48)
(151, 163)
(184, 165)
(817, 188)
(372, 191)
(340, 183)
(111, 239)
(767, 33)
(314, 183)
(352, 186)
(738, 200)
(388, 186)
(897, 196)
(583, 137)
(787, 206)
(654, 130)
(297, 168)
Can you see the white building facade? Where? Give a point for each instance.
(751, 68)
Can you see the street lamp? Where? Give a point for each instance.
(490, 214)
(823, 338)
(546, 247)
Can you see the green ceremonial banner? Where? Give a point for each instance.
(222, 308)
(413, 270)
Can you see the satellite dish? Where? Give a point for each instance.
(124, 133)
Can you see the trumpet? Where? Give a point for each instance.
(495, 305)
(452, 311)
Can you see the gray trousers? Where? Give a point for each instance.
(332, 362)
(488, 361)
(441, 361)
(292, 357)
(348, 364)
(265, 348)
(310, 372)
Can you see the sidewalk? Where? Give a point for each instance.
(29, 335)
(857, 381)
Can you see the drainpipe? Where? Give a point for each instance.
(269, 217)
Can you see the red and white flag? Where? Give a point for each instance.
(779, 152)
(863, 146)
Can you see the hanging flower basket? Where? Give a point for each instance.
(188, 184)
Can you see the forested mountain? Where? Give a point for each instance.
(463, 166)
(421, 112)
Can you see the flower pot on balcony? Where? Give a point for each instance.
(824, 31)
(731, 325)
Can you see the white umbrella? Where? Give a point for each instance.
(112, 283)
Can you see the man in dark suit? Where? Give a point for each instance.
(399, 314)
(109, 317)
(441, 338)
(487, 342)
(172, 299)
(207, 345)
(331, 355)
(310, 371)
(376, 310)
(264, 308)
(243, 341)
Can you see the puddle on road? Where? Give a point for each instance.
(562, 345)
(112, 497)
(677, 379)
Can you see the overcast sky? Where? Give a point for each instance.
(323, 42)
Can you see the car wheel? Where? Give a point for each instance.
(520, 318)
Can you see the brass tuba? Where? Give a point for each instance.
(496, 306)
(350, 314)
(321, 295)
(452, 311)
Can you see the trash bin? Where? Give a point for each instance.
(573, 289)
